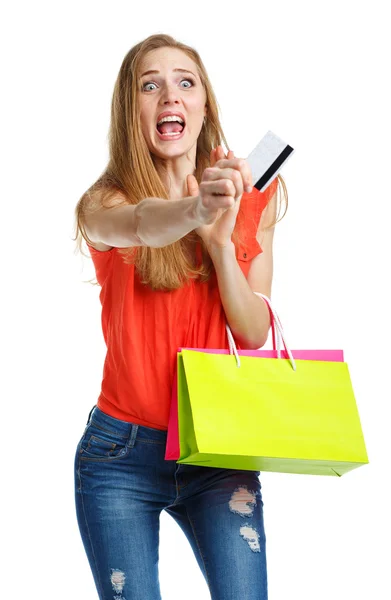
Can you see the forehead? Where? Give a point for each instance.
(163, 59)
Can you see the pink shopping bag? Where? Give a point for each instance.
(172, 444)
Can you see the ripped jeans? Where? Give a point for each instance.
(123, 482)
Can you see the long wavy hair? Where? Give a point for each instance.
(131, 171)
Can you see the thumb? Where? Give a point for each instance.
(192, 185)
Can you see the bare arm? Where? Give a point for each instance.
(163, 222)
(153, 222)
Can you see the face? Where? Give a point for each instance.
(171, 90)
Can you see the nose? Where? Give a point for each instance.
(170, 93)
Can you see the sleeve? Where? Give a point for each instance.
(102, 262)
(93, 251)
(255, 203)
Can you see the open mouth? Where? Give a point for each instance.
(170, 129)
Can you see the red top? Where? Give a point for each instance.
(143, 328)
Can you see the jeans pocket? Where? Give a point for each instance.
(101, 444)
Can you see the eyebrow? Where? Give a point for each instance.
(181, 70)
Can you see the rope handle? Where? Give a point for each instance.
(276, 325)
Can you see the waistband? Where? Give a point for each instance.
(125, 428)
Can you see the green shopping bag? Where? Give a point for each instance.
(268, 414)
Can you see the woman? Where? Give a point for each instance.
(174, 229)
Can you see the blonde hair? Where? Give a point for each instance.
(131, 172)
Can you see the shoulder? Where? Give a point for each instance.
(97, 200)
(100, 199)
(100, 247)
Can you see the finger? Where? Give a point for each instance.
(245, 171)
(235, 186)
(247, 177)
(216, 154)
(238, 181)
(217, 187)
(220, 152)
(192, 185)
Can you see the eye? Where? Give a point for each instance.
(148, 83)
(152, 83)
(189, 79)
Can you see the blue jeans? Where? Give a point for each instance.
(122, 483)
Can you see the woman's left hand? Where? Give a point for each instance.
(224, 226)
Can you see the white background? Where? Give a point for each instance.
(317, 75)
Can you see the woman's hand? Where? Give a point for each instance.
(220, 193)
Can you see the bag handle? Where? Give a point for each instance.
(277, 342)
(276, 324)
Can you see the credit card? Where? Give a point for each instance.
(267, 159)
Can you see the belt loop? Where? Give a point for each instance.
(89, 416)
(133, 435)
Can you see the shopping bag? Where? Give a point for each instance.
(172, 444)
(295, 413)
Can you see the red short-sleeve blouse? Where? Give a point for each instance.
(143, 328)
